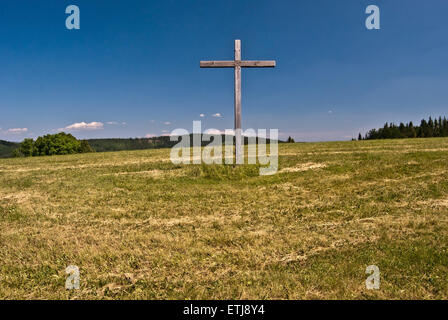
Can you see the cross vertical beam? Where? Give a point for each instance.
(238, 135)
(237, 64)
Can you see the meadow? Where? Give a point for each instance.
(140, 227)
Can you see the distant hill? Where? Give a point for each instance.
(116, 144)
(104, 145)
(6, 148)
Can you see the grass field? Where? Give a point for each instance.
(139, 227)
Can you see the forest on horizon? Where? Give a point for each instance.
(426, 129)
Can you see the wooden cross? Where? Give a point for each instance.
(237, 64)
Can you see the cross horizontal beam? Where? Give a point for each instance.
(237, 63)
(217, 64)
(258, 64)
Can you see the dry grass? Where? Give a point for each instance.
(139, 227)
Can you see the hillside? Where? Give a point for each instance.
(103, 145)
(139, 227)
(6, 148)
(116, 144)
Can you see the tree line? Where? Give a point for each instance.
(63, 143)
(426, 129)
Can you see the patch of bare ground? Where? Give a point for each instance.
(434, 203)
(161, 174)
(347, 241)
(188, 220)
(304, 167)
(19, 197)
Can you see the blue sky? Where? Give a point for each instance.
(133, 68)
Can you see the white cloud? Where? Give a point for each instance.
(250, 133)
(202, 115)
(116, 123)
(79, 126)
(217, 115)
(230, 132)
(167, 123)
(16, 131)
(213, 131)
(166, 133)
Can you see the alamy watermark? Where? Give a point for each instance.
(189, 150)
(373, 280)
(373, 20)
(72, 281)
(73, 21)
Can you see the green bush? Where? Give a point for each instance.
(52, 144)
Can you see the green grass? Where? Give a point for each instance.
(140, 227)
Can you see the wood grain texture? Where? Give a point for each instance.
(217, 64)
(238, 144)
(242, 64)
(258, 64)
